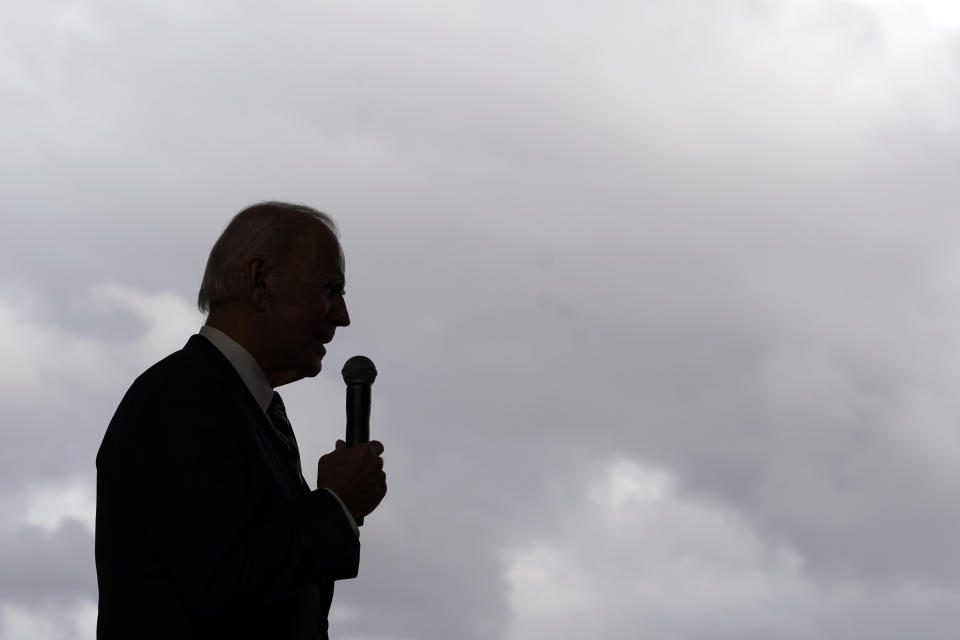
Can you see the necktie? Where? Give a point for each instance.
(278, 417)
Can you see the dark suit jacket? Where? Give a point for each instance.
(203, 528)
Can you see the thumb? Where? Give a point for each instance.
(341, 444)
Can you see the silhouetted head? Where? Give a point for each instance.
(274, 282)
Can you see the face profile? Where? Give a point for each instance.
(304, 303)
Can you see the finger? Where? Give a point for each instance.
(341, 444)
(371, 464)
(376, 446)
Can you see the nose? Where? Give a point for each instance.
(339, 315)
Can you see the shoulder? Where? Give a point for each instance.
(196, 378)
(198, 368)
(189, 391)
(182, 368)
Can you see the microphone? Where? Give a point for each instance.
(359, 373)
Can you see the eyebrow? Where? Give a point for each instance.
(336, 281)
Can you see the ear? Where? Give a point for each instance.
(258, 286)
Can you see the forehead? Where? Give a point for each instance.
(317, 252)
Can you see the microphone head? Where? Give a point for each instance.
(359, 369)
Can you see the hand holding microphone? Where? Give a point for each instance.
(354, 469)
(356, 475)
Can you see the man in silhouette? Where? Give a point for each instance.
(205, 525)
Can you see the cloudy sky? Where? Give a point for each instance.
(665, 296)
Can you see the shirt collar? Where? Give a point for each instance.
(246, 365)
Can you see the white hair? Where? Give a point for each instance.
(266, 230)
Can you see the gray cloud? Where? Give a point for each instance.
(41, 566)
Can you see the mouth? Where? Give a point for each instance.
(321, 341)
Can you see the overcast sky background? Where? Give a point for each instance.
(665, 297)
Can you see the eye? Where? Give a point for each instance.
(334, 289)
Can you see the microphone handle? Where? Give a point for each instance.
(358, 418)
